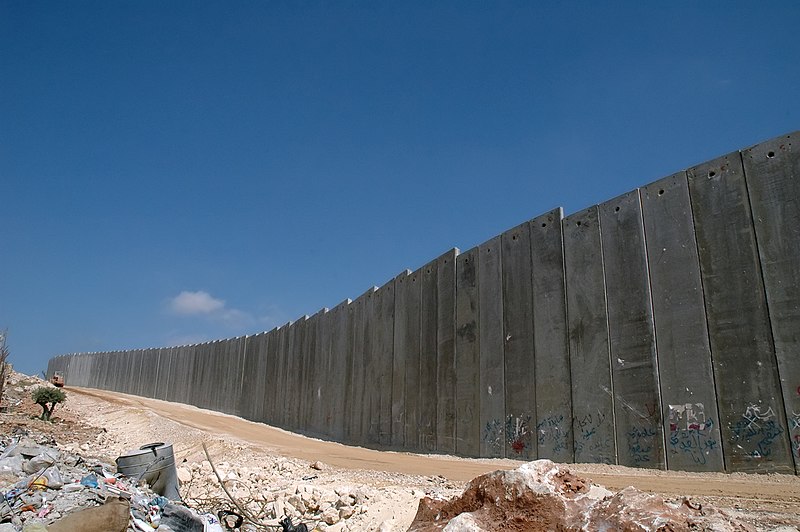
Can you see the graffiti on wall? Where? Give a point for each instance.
(794, 426)
(518, 433)
(552, 434)
(690, 432)
(515, 432)
(758, 429)
(592, 444)
(641, 440)
(493, 435)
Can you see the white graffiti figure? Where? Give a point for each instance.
(754, 414)
(693, 415)
(795, 420)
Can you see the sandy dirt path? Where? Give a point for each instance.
(757, 493)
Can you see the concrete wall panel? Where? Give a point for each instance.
(304, 395)
(411, 330)
(379, 379)
(271, 377)
(688, 397)
(427, 390)
(321, 373)
(405, 312)
(492, 366)
(370, 417)
(520, 372)
(361, 357)
(592, 387)
(339, 370)
(748, 390)
(639, 427)
(446, 353)
(551, 346)
(772, 171)
(468, 427)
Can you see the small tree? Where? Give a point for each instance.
(4, 366)
(48, 398)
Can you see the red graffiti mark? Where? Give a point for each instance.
(518, 446)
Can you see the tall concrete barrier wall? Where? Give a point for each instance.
(660, 329)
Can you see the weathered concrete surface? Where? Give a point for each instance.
(658, 329)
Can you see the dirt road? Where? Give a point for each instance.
(775, 498)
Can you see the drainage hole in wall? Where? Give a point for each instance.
(616, 209)
(771, 154)
(513, 237)
(661, 192)
(578, 222)
(712, 173)
(544, 225)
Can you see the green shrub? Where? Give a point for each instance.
(48, 398)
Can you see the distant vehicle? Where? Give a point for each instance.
(57, 379)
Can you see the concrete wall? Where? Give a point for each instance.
(659, 329)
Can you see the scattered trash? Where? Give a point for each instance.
(286, 524)
(90, 481)
(58, 492)
(153, 463)
(230, 520)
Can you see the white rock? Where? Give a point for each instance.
(280, 507)
(327, 497)
(345, 500)
(463, 523)
(344, 490)
(330, 516)
(298, 503)
(386, 526)
(184, 475)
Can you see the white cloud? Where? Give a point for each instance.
(200, 302)
(203, 304)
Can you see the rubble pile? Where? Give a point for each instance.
(51, 472)
(272, 491)
(44, 488)
(543, 496)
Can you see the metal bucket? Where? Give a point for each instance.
(153, 463)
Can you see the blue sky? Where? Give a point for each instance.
(172, 172)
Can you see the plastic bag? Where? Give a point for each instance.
(90, 481)
(53, 476)
(40, 461)
(210, 523)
